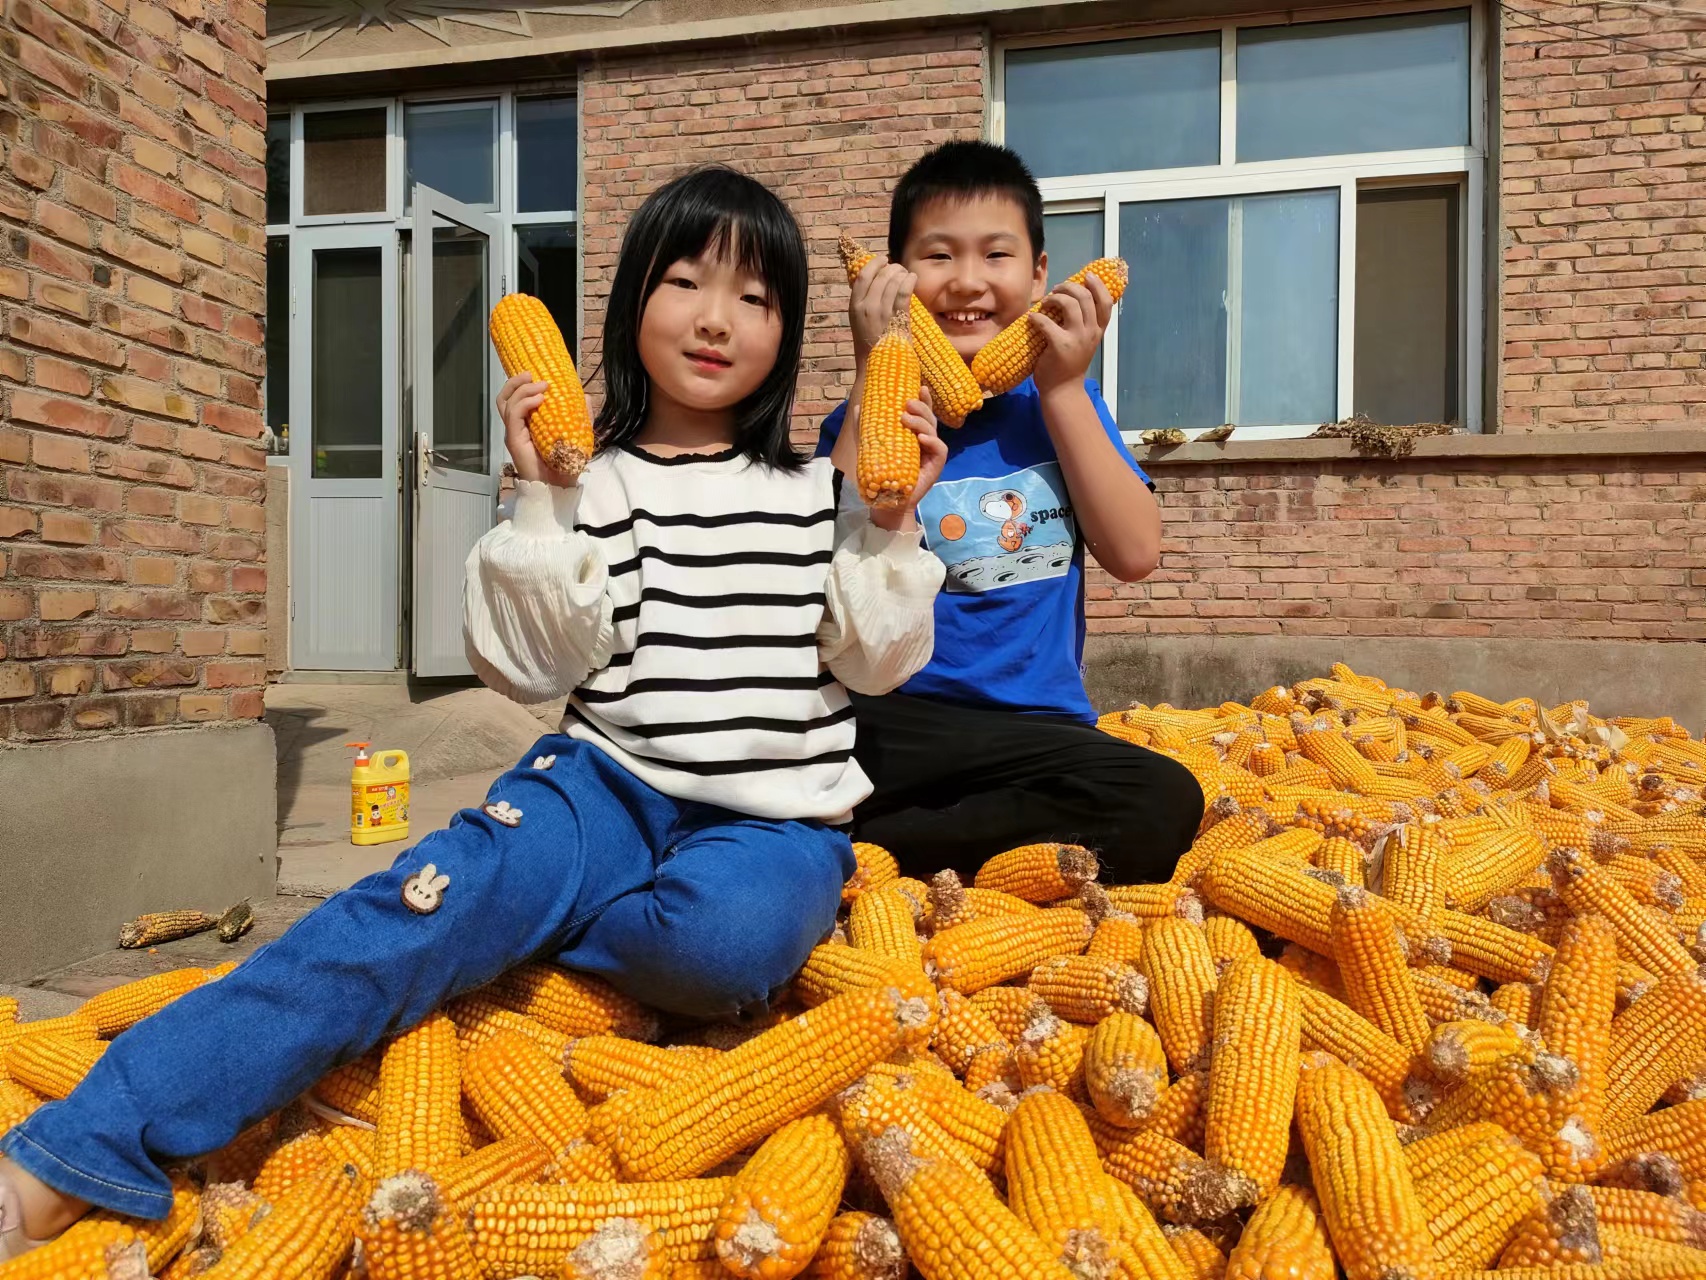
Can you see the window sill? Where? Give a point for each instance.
(1561, 444)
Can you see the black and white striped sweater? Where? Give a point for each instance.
(703, 616)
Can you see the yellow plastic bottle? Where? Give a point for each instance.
(379, 796)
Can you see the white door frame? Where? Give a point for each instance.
(345, 534)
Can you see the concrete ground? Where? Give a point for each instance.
(459, 739)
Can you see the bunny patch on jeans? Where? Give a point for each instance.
(423, 892)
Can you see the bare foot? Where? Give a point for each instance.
(46, 1212)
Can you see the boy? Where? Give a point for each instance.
(994, 743)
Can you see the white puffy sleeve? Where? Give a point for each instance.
(536, 618)
(879, 628)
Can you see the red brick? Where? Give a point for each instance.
(67, 527)
(58, 454)
(17, 522)
(149, 605)
(228, 675)
(201, 706)
(15, 605)
(145, 186)
(82, 344)
(152, 468)
(66, 415)
(147, 673)
(233, 420)
(56, 375)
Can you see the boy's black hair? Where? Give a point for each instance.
(963, 171)
(719, 210)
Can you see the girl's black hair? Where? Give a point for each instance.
(718, 209)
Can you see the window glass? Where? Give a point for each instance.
(277, 391)
(278, 170)
(343, 161)
(1073, 240)
(545, 268)
(453, 149)
(1407, 337)
(349, 368)
(546, 132)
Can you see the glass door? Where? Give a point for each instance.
(454, 283)
(345, 519)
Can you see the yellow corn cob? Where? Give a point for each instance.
(1284, 1240)
(577, 1004)
(1051, 1052)
(1576, 1008)
(1645, 938)
(1647, 1213)
(1491, 866)
(983, 952)
(883, 920)
(1182, 978)
(1273, 896)
(123, 1006)
(689, 1125)
(291, 1164)
(240, 1159)
(834, 969)
(964, 1031)
(1563, 1230)
(1643, 1270)
(528, 341)
(1427, 1155)
(1331, 1026)
(1125, 1068)
(420, 1099)
(305, 1236)
(1623, 1247)
(1039, 872)
(1462, 1048)
(623, 1249)
(87, 1251)
(1677, 1131)
(581, 1160)
(1253, 1083)
(859, 1246)
(1086, 989)
(52, 1064)
(353, 1088)
(1377, 1223)
(978, 1126)
(1518, 1001)
(1492, 951)
(1344, 858)
(1178, 1112)
(1156, 901)
(16, 1104)
(478, 1018)
(1371, 961)
(878, 1103)
(1229, 939)
(1478, 1198)
(1143, 1251)
(1008, 358)
(163, 926)
(498, 1164)
(951, 903)
(1174, 1181)
(950, 1221)
(876, 868)
(1055, 1182)
(1413, 875)
(518, 1091)
(1009, 1008)
(523, 1230)
(161, 1239)
(954, 393)
(1201, 1257)
(409, 1230)
(1655, 1042)
(888, 451)
(1119, 937)
(783, 1199)
(599, 1066)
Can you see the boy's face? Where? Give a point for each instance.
(975, 266)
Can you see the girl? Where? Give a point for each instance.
(681, 836)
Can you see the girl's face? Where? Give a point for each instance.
(709, 334)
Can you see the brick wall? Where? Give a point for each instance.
(1585, 548)
(1603, 188)
(131, 291)
(829, 125)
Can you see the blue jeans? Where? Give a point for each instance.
(687, 907)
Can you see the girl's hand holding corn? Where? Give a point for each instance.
(879, 291)
(920, 419)
(517, 399)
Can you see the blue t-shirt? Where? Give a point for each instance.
(1010, 616)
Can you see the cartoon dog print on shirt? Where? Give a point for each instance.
(998, 531)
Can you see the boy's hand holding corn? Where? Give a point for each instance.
(1072, 319)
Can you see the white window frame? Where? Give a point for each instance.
(1462, 167)
(508, 186)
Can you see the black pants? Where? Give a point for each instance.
(957, 785)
